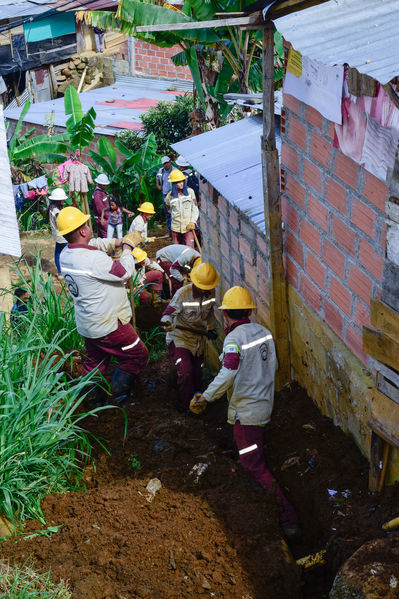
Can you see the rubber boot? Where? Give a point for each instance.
(122, 386)
(96, 395)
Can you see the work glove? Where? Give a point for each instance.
(132, 239)
(167, 323)
(151, 239)
(190, 227)
(196, 407)
(212, 334)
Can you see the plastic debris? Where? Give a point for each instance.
(153, 487)
(332, 492)
(310, 561)
(199, 469)
(391, 524)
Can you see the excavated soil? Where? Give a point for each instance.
(208, 532)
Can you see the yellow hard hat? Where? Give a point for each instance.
(197, 262)
(237, 298)
(204, 276)
(176, 176)
(147, 208)
(139, 254)
(69, 219)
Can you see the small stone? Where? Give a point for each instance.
(205, 584)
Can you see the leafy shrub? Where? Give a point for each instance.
(131, 139)
(169, 122)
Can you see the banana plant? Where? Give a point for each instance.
(80, 126)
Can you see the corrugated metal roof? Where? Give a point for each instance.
(230, 159)
(362, 33)
(26, 8)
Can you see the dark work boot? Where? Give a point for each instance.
(96, 395)
(122, 386)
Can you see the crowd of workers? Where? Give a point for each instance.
(97, 283)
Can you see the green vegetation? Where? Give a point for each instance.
(155, 341)
(135, 462)
(22, 582)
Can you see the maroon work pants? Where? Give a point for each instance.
(124, 344)
(175, 283)
(249, 440)
(183, 238)
(189, 374)
(101, 229)
(154, 279)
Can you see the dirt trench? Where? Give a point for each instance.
(213, 535)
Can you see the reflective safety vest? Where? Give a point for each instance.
(183, 209)
(248, 368)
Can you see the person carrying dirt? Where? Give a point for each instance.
(140, 223)
(100, 201)
(248, 369)
(149, 277)
(102, 308)
(177, 260)
(183, 208)
(189, 320)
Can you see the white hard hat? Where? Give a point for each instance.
(165, 159)
(181, 161)
(102, 179)
(58, 194)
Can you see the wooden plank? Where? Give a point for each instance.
(250, 20)
(388, 373)
(385, 319)
(378, 428)
(381, 347)
(279, 319)
(390, 284)
(375, 458)
(384, 417)
(290, 6)
(386, 387)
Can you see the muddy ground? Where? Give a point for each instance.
(213, 535)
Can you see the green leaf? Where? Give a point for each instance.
(18, 128)
(122, 148)
(192, 61)
(42, 145)
(107, 150)
(73, 105)
(102, 162)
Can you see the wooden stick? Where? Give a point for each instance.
(197, 242)
(82, 80)
(385, 458)
(85, 206)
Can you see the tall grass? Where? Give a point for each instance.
(21, 582)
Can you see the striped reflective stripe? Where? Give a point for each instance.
(210, 301)
(186, 250)
(77, 271)
(256, 342)
(190, 303)
(177, 361)
(248, 449)
(131, 345)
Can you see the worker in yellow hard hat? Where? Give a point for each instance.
(183, 208)
(96, 283)
(189, 320)
(248, 369)
(149, 278)
(177, 261)
(163, 184)
(140, 223)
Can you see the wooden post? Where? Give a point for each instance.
(279, 319)
(85, 206)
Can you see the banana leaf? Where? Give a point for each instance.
(73, 105)
(122, 148)
(102, 162)
(18, 128)
(82, 132)
(192, 61)
(42, 145)
(107, 150)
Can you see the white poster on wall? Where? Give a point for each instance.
(9, 231)
(315, 84)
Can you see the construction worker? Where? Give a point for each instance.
(177, 261)
(247, 374)
(140, 223)
(183, 208)
(149, 278)
(189, 320)
(192, 177)
(163, 184)
(100, 201)
(102, 309)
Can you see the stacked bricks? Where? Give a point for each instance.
(236, 247)
(155, 61)
(334, 214)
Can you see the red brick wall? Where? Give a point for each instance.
(334, 215)
(236, 248)
(154, 61)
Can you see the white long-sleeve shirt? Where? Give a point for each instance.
(96, 283)
(140, 225)
(180, 256)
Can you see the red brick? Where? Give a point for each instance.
(245, 250)
(320, 149)
(314, 117)
(370, 259)
(346, 169)
(333, 318)
(295, 191)
(223, 206)
(310, 293)
(223, 226)
(331, 130)
(251, 277)
(375, 191)
(316, 270)
(297, 132)
(319, 213)
(289, 158)
(212, 212)
(311, 236)
(355, 342)
(234, 219)
(224, 247)
(291, 271)
(364, 218)
(294, 248)
(361, 315)
(261, 245)
(336, 196)
(291, 103)
(262, 267)
(344, 235)
(360, 283)
(290, 215)
(235, 262)
(340, 295)
(263, 314)
(383, 236)
(312, 175)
